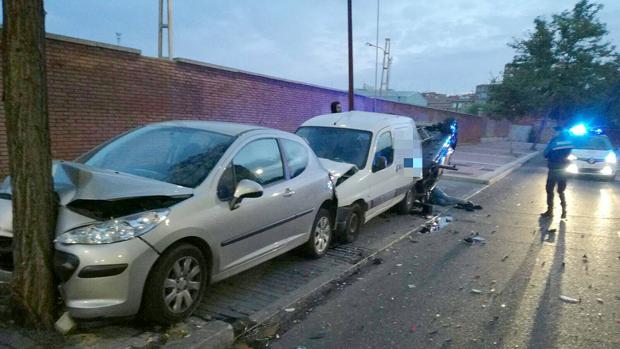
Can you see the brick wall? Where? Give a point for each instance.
(97, 92)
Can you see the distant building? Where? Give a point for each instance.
(406, 97)
(482, 93)
(456, 103)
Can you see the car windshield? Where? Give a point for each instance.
(177, 155)
(338, 144)
(592, 143)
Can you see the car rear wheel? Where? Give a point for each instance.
(175, 285)
(405, 206)
(320, 236)
(353, 226)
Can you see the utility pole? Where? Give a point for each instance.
(167, 25)
(387, 63)
(350, 22)
(374, 105)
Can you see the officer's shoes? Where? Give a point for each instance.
(547, 214)
(563, 214)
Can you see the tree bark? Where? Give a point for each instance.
(34, 203)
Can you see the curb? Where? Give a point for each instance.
(215, 334)
(496, 175)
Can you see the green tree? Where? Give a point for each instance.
(563, 68)
(34, 204)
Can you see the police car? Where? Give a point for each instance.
(592, 154)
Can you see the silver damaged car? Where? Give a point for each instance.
(150, 218)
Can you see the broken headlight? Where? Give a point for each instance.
(115, 230)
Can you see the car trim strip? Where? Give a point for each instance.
(97, 271)
(261, 230)
(388, 196)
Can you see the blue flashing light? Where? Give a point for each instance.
(598, 131)
(579, 130)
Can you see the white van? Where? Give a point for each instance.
(374, 159)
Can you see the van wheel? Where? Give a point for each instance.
(353, 226)
(175, 285)
(320, 236)
(405, 206)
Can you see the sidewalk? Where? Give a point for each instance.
(488, 162)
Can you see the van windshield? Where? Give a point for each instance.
(338, 144)
(592, 143)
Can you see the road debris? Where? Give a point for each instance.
(568, 299)
(377, 261)
(599, 300)
(411, 286)
(289, 310)
(474, 239)
(318, 335)
(476, 291)
(414, 328)
(584, 258)
(505, 257)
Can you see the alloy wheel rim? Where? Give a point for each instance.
(321, 236)
(182, 284)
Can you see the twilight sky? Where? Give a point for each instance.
(446, 46)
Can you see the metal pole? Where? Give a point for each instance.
(169, 25)
(350, 20)
(160, 28)
(374, 107)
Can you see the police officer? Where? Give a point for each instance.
(556, 153)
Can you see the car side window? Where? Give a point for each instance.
(385, 147)
(296, 157)
(259, 161)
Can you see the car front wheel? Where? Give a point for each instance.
(320, 236)
(175, 285)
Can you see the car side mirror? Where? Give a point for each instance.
(245, 189)
(379, 164)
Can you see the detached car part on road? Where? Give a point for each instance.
(148, 219)
(378, 161)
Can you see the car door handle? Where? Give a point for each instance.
(288, 193)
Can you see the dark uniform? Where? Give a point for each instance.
(557, 152)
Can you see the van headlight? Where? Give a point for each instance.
(115, 230)
(611, 158)
(572, 157)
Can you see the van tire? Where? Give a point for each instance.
(154, 308)
(353, 226)
(405, 206)
(320, 235)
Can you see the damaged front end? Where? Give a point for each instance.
(439, 142)
(89, 196)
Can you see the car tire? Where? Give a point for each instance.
(320, 235)
(353, 226)
(405, 206)
(174, 282)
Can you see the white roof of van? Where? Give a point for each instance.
(359, 120)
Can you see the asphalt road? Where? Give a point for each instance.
(442, 293)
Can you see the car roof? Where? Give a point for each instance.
(227, 128)
(360, 120)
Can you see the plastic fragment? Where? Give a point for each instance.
(568, 299)
(289, 310)
(599, 300)
(476, 291)
(505, 257)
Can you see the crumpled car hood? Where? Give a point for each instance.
(336, 169)
(97, 194)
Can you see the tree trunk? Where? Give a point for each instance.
(34, 204)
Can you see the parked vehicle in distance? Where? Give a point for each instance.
(376, 162)
(151, 217)
(592, 154)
